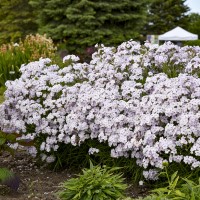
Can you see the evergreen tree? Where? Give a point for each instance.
(16, 20)
(164, 15)
(194, 25)
(83, 23)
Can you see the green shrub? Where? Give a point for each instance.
(179, 189)
(95, 183)
(185, 191)
(12, 56)
(192, 43)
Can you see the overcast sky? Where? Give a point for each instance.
(194, 5)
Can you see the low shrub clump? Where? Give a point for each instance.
(95, 183)
(177, 188)
(13, 55)
(192, 43)
(141, 100)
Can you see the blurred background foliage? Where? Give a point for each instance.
(32, 48)
(17, 19)
(163, 15)
(194, 23)
(76, 26)
(82, 24)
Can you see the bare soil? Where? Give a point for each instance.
(39, 182)
(35, 182)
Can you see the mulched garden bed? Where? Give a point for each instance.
(39, 182)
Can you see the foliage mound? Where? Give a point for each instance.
(192, 43)
(141, 100)
(177, 188)
(98, 183)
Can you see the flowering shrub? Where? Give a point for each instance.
(143, 100)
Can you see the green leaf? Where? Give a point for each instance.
(9, 149)
(2, 141)
(173, 185)
(2, 134)
(161, 190)
(89, 192)
(5, 174)
(108, 192)
(91, 165)
(174, 176)
(179, 193)
(11, 137)
(9, 178)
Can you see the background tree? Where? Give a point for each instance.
(16, 20)
(164, 15)
(194, 23)
(83, 23)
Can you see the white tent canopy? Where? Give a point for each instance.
(178, 34)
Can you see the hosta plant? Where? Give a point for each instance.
(99, 183)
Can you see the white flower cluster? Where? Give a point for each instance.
(120, 97)
(93, 150)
